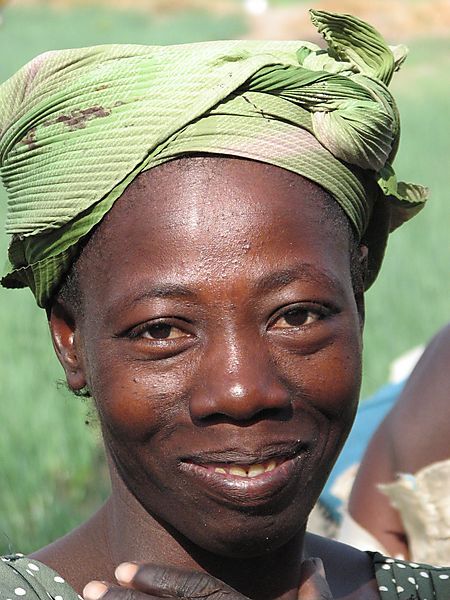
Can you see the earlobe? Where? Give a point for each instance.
(65, 338)
(363, 259)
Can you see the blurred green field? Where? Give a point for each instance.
(52, 471)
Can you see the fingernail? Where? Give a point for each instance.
(125, 572)
(319, 566)
(94, 590)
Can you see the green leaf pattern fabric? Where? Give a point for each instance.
(77, 126)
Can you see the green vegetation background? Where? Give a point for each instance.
(52, 471)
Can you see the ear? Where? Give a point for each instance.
(363, 259)
(66, 342)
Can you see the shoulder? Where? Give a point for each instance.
(350, 572)
(80, 556)
(356, 575)
(399, 579)
(422, 411)
(22, 578)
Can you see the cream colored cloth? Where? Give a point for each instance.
(423, 501)
(351, 533)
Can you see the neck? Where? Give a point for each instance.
(135, 535)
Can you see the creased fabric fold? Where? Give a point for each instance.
(77, 126)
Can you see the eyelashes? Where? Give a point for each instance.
(300, 316)
(176, 331)
(162, 331)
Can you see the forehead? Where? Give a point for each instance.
(207, 219)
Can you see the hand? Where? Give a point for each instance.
(153, 582)
(313, 582)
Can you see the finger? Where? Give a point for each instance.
(313, 582)
(165, 581)
(98, 590)
(94, 590)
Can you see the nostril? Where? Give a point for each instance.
(266, 414)
(250, 393)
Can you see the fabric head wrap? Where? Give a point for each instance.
(77, 126)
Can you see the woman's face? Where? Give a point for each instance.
(221, 342)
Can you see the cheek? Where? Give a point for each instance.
(337, 380)
(327, 387)
(328, 380)
(137, 401)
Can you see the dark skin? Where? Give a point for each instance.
(413, 435)
(219, 329)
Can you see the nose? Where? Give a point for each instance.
(239, 383)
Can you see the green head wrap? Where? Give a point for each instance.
(77, 126)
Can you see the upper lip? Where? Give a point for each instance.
(240, 456)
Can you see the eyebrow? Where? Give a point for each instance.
(158, 290)
(271, 282)
(295, 272)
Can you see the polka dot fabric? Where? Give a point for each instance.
(24, 579)
(403, 580)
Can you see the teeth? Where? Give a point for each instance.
(255, 470)
(247, 471)
(271, 465)
(238, 471)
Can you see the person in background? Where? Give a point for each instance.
(401, 493)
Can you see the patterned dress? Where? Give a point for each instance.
(404, 580)
(22, 578)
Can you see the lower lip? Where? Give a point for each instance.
(245, 490)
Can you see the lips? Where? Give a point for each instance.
(247, 479)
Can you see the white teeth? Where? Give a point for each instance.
(220, 470)
(271, 465)
(255, 470)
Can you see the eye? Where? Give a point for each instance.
(298, 316)
(161, 331)
(158, 332)
(159, 338)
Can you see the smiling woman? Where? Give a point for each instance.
(200, 224)
(241, 270)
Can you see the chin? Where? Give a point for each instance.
(252, 546)
(247, 536)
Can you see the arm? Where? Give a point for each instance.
(415, 433)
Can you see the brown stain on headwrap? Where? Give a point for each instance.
(77, 119)
(30, 139)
